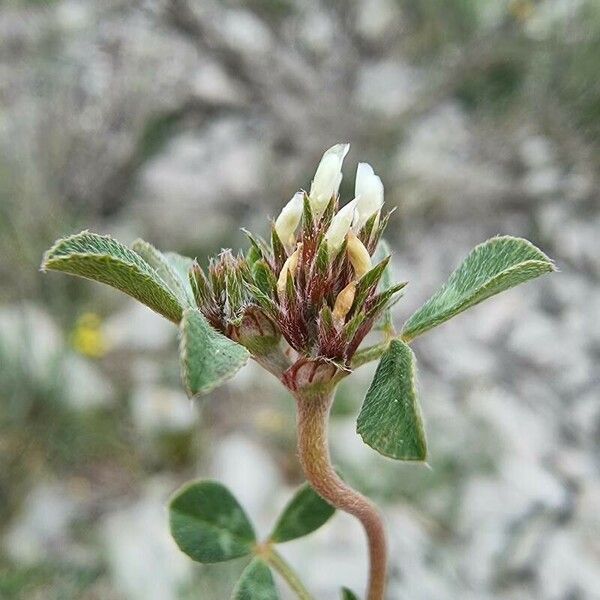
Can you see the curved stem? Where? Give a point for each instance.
(285, 570)
(313, 415)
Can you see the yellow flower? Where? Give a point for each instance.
(87, 338)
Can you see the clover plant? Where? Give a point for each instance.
(299, 304)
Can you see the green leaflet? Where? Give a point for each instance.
(207, 357)
(208, 524)
(256, 583)
(348, 595)
(490, 268)
(390, 419)
(305, 513)
(103, 259)
(172, 269)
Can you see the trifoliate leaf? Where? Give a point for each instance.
(103, 259)
(208, 358)
(169, 270)
(255, 583)
(390, 419)
(305, 513)
(208, 524)
(348, 595)
(490, 268)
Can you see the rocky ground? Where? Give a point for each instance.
(181, 122)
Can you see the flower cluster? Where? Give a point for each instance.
(304, 302)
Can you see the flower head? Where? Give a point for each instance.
(303, 303)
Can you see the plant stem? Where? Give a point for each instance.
(313, 415)
(285, 570)
(369, 354)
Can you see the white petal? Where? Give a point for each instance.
(340, 225)
(289, 217)
(326, 182)
(369, 193)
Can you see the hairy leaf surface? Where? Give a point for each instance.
(490, 268)
(208, 524)
(169, 268)
(103, 259)
(255, 583)
(390, 419)
(305, 513)
(207, 357)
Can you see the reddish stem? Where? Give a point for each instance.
(313, 416)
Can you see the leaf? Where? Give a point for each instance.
(256, 583)
(169, 270)
(348, 595)
(490, 268)
(305, 513)
(208, 524)
(208, 358)
(103, 259)
(390, 419)
(181, 265)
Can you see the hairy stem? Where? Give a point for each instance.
(313, 416)
(285, 570)
(369, 354)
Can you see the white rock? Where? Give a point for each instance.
(42, 527)
(537, 152)
(566, 566)
(376, 19)
(30, 337)
(245, 31)
(137, 328)
(249, 472)
(159, 409)
(387, 87)
(144, 561)
(85, 386)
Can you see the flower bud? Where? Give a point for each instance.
(359, 256)
(340, 225)
(328, 177)
(368, 191)
(343, 304)
(288, 219)
(289, 266)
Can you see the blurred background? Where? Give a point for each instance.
(181, 121)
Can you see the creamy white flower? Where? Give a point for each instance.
(343, 304)
(328, 177)
(340, 225)
(368, 191)
(289, 266)
(359, 256)
(288, 219)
